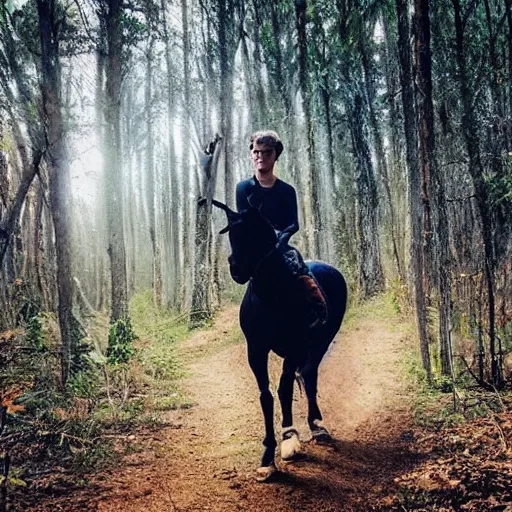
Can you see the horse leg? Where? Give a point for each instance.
(310, 376)
(259, 365)
(290, 444)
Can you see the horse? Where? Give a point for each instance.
(273, 317)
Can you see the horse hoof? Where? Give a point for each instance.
(319, 433)
(322, 436)
(264, 473)
(290, 446)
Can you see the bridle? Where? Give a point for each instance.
(262, 260)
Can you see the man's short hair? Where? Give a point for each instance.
(267, 137)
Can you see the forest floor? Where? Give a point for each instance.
(205, 457)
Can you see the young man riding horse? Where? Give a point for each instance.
(275, 315)
(277, 202)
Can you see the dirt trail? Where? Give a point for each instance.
(205, 460)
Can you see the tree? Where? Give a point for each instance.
(434, 183)
(476, 170)
(113, 159)
(416, 255)
(203, 276)
(311, 196)
(58, 162)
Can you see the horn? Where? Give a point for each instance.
(232, 216)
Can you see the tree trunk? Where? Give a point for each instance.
(113, 163)
(227, 48)
(58, 173)
(416, 261)
(476, 170)
(371, 277)
(381, 157)
(101, 272)
(151, 190)
(202, 291)
(188, 175)
(423, 66)
(312, 199)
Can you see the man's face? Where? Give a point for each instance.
(263, 157)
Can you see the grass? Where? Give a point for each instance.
(382, 307)
(212, 346)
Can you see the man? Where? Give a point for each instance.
(277, 202)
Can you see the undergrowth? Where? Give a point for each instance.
(443, 403)
(124, 376)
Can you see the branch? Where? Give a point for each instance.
(11, 217)
(84, 19)
(459, 199)
(482, 383)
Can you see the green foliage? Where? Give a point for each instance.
(381, 307)
(434, 405)
(94, 457)
(120, 342)
(134, 31)
(86, 383)
(500, 190)
(34, 334)
(159, 336)
(398, 296)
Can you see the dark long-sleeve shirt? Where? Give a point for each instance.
(278, 204)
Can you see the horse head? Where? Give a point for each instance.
(251, 238)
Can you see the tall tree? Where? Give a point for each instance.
(476, 171)
(153, 189)
(416, 260)
(311, 197)
(113, 161)
(203, 275)
(432, 175)
(58, 163)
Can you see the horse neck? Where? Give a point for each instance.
(273, 279)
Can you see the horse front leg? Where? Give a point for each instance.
(310, 376)
(290, 443)
(259, 365)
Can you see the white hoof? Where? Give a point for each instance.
(290, 446)
(264, 473)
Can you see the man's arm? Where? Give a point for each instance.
(292, 220)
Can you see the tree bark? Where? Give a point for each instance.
(152, 191)
(371, 277)
(312, 199)
(423, 65)
(202, 290)
(57, 158)
(476, 170)
(113, 163)
(188, 175)
(381, 157)
(228, 43)
(416, 261)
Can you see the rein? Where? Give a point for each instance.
(262, 260)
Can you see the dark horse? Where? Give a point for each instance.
(273, 318)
